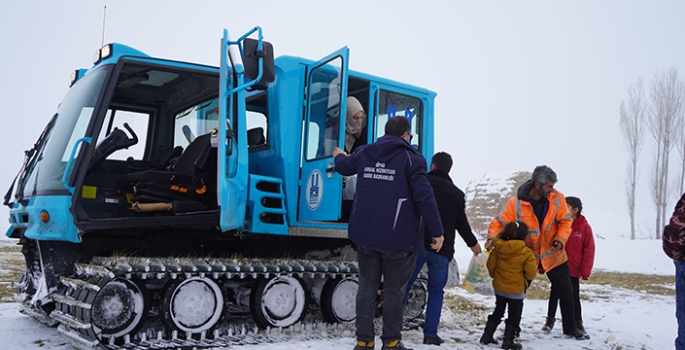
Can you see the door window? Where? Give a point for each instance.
(392, 104)
(323, 128)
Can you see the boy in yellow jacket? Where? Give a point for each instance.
(512, 266)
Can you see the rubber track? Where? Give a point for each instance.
(74, 300)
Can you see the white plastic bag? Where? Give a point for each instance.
(350, 187)
(477, 279)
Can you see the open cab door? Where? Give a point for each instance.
(256, 71)
(324, 128)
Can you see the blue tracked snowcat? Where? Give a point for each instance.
(174, 205)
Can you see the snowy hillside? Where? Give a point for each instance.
(486, 197)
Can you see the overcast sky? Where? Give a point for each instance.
(519, 83)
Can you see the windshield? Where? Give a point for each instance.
(44, 175)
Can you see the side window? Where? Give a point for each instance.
(392, 104)
(138, 121)
(195, 121)
(257, 121)
(323, 125)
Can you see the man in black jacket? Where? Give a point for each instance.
(451, 205)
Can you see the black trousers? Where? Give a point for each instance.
(563, 289)
(515, 307)
(554, 301)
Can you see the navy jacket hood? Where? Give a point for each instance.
(393, 200)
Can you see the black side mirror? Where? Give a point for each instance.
(251, 62)
(255, 136)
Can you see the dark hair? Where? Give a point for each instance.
(514, 230)
(543, 173)
(442, 161)
(575, 202)
(397, 126)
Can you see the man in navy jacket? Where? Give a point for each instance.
(392, 204)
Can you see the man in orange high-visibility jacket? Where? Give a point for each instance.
(544, 210)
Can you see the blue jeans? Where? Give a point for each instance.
(680, 303)
(438, 271)
(395, 265)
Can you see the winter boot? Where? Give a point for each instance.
(579, 325)
(549, 324)
(517, 332)
(362, 345)
(508, 341)
(436, 340)
(395, 345)
(580, 333)
(490, 328)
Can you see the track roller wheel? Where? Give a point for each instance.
(193, 305)
(119, 308)
(280, 301)
(339, 299)
(417, 301)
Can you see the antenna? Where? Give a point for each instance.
(104, 17)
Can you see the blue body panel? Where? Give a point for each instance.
(282, 163)
(283, 157)
(261, 211)
(60, 227)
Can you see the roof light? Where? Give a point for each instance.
(106, 51)
(76, 75)
(103, 53)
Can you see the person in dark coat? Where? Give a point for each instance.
(673, 241)
(393, 202)
(580, 249)
(452, 208)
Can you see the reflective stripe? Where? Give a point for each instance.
(397, 212)
(409, 157)
(545, 254)
(501, 221)
(554, 216)
(533, 232)
(518, 209)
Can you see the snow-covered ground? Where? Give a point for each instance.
(624, 320)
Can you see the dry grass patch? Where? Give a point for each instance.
(10, 248)
(11, 262)
(650, 284)
(464, 314)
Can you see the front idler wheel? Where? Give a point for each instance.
(119, 308)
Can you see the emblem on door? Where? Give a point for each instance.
(314, 189)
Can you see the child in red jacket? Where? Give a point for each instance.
(580, 249)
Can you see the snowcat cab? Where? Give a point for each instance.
(161, 185)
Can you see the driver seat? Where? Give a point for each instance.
(185, 181)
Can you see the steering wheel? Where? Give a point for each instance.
(115, 141)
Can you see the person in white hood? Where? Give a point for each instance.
(354, 124)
